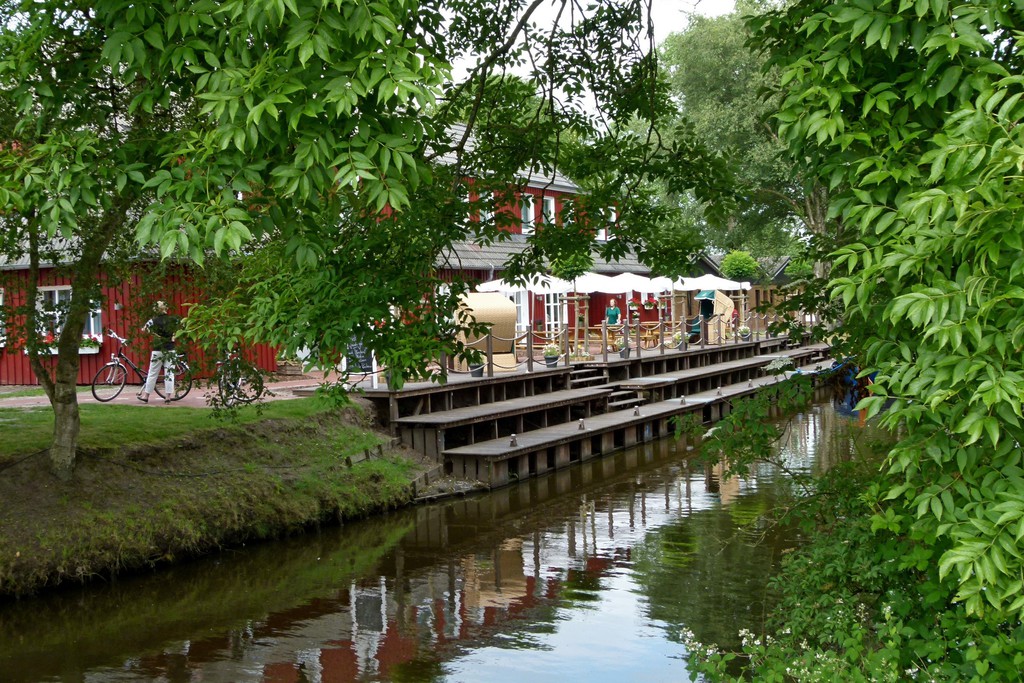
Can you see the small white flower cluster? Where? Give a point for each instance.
(778, 365)
(698, 650)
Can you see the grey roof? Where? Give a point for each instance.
(18, 263)
(552, 180)
(466, 255)
(56, 246)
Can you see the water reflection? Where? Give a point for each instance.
(591, 570)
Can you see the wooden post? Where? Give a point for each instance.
(490, 354)
(529, 350)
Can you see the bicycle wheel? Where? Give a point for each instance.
(235, 385)
(109, 382)
(182, 381)
(229, 387)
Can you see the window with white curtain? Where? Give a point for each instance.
(547, 210)
(53, 306)
(610, 216)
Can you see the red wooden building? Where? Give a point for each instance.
(124, 308)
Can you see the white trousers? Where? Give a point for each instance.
(158, 360)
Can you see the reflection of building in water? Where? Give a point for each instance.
(495, 581)
(728, 490)
(460, 579)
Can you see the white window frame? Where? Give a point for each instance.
(526, 213)
(93, 324)
(547, 210)
(486, 216)
(553, 314)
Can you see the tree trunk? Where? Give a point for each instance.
(62, 390)
(66, 425)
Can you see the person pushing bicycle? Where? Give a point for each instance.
(163, 327)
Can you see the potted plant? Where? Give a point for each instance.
(580, 353)
(633, 303)
(744, 332)
(622, 347)
(677, 340)
(650, 303)
(551, 354)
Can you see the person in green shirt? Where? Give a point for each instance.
(612, 313)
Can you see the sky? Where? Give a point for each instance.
(670, 15)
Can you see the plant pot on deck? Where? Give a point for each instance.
(476, 370)
(551, 361)
(624, 353)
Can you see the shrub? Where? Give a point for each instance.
(740, 265)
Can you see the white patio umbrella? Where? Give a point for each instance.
(639, 283)
(542, 284)
(709, 282)
(661, 284)
(595, 282)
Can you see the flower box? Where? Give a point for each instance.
(89, 346)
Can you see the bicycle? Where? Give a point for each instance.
(237, 382)
(110, 379)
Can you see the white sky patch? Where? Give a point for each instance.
(670, 15)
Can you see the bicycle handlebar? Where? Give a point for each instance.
(114, 335)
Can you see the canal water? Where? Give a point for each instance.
(591, 573)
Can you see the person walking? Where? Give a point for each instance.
(163, 327)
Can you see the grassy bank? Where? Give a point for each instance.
(150, 489)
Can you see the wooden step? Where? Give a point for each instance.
(620, 400)
(514, 406)
(587, 381)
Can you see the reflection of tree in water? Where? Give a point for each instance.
(708, 571)
(704, 573)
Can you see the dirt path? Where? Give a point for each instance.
(197, 398)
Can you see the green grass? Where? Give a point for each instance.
(185, 484)
(23, 393)
(27, 430)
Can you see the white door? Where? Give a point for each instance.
(553, 312)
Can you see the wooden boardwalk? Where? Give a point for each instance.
(431, 433)
(507, 427)
(514, 406)
(501, 460)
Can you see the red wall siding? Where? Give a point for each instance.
(14, 364)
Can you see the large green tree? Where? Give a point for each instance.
(728, 99)
(323, 145)
(539, 96)
(198, 125)
(912, 111)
